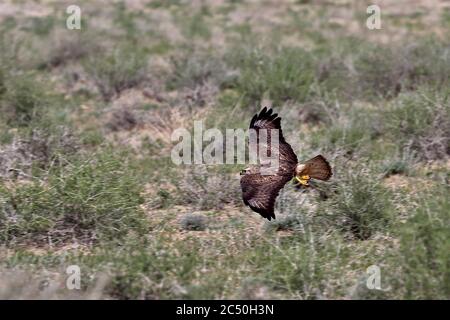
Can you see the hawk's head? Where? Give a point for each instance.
(249, 170)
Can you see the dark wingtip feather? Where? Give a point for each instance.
(266, 114)
(263, 111)
(265, 213)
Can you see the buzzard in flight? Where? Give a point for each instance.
(260, 191)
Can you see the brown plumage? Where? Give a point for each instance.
(259, 192)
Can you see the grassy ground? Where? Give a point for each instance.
(86, 177)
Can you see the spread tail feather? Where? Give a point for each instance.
(318, 168)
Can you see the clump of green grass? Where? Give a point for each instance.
(195, 69)
(89, 199)
(195, 25)
(41, 26)
(67, 46)
(303, 268)
(164, 199)
(284, 74)
(395, 167)
(424, 253)
(24, 99)
(403, 164)
(35, 151)
(114, 71)
(359, 205)
(153, 273)
(207, 189)
(420, 122)
(193, 222)
(353, 130)
(378, 70)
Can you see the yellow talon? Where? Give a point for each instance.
(303, 180)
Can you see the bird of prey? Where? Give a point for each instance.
(259, 191)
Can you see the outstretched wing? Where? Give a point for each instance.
(259, 192)
(267, 120)
(318, 168)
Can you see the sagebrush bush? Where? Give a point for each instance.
(92, 198)
(114, 71)
(37, 149)
(67, 46)
(193, 222)
(208, 191)
(197, 68)
(135, 271)
(395, 167)
(420, 122)
(379, 70)
(358, 206)
(24, 100)
(353, 131)
(123, 119)
(425, 248)
(194, 25)
(401, 164)
(301, 267)
(284, 74)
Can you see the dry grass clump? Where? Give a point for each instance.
(122, 119)
(207, 191)
(39, 149)
(421, 123)
(193, 222)
(67, 46)
(87, 200)
(118, 69)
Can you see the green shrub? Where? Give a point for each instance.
(195, 69)
(123, 68)
(425, 249)
(403, 164)
(36, 151)
(207, 189)
(285, 74)
(378, 70)
(24, 100)
(354, 130)
(193, 222)
(420, 122)
(92, 198)
(195, 25)
(359, 205)
(67, 46)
